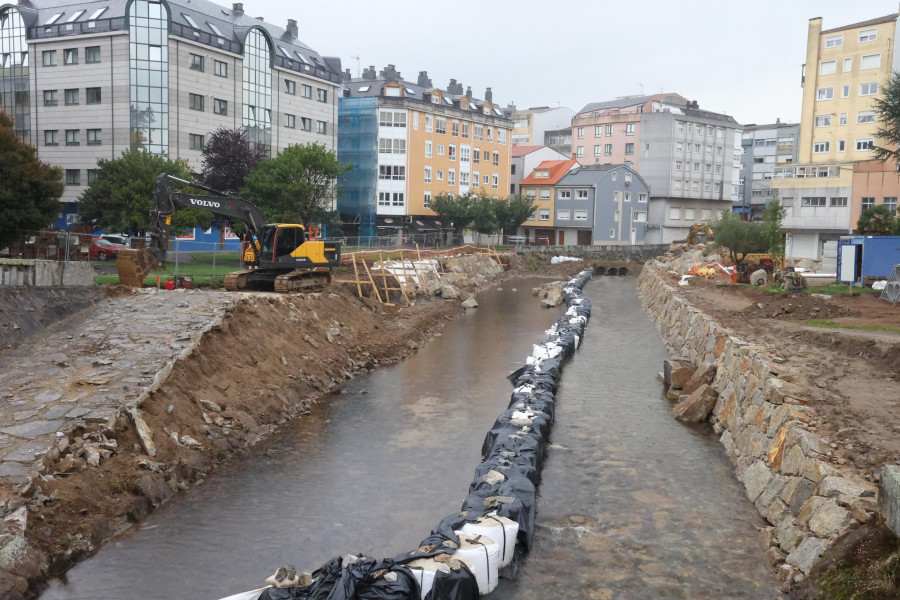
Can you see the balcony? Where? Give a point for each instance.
(807, 172)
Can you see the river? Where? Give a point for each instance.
(632, 505)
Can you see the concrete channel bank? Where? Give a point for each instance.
(762, 419)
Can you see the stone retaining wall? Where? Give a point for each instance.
(762, 419)
(623, 252)
(44, 273)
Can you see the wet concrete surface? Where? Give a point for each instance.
(371, 470)
(633, 504)
(82, 369)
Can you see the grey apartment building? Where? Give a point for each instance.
(89, 80)
(764, 147)
(602, 204)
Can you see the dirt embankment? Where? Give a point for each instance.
(269, 360)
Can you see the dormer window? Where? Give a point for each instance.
(487, 110)
(463, 104)
(74, 17)
(300, 56)
(392, 91)
(97, 13)
(53, 19)
(214, 29)
(190, 21)
(435, 98)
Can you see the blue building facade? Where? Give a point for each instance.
(357, 147)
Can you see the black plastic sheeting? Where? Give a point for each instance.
(505, 482)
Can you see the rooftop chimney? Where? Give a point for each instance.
(292, 28)
(469, 91)
(424, 80)
(369, 73)
(390, 72)
(488, 95)
(347, 75)
(778, 121)
(454, 88)
(237, 8)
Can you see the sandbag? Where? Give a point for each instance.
(454, 585)
(483, 554)
(497, 528)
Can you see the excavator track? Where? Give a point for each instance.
(302, 281)
(237, 280)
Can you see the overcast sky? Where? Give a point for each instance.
(740, 58)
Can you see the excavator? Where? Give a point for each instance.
(285, 257)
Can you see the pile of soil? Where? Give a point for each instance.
(794, 307)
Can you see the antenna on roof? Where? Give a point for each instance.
(642, 88)
(357, 66)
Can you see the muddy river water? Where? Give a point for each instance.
(632, 503)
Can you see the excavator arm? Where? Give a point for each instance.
(165, 198)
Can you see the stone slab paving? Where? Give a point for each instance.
(80, 371)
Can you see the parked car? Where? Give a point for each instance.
(117, 238)
(101, 249)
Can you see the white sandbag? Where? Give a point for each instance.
(246, 595)
(496, 528)
(424, 570)
(484, 555)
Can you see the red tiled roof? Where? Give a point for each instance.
(558, 168)
(519, 151)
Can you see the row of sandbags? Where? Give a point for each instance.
(467, 553)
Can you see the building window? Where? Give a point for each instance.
(718, 169)
(867, 202)
(609, 130)
(833, 41)
(196, 141)
(322, 127)
(427, 200)
(290, 121)
(629, 129)
(868, 89)
(51, 137)
(581, 133)
(642, 197)
(826, 93)
(495, 181)
(305, 90)
(440, 125)
(865, 116)
(93, 95)
(290, 87)
(392, 172)
(845, 91)
(597, 151)
(440, 149)
(870, 61)
(563, 215)
(49, 57)
(629, 148)
(92, 175)
(545, 194)
(70, 56)
(544, 214)
(73, 176)
(454, 127)
(842, 120)
(865, 144)
(476, 177)
(465, 152)
(305, 124)
(440, 175)
(196, 62)
(451, 176)
(891, 203)
(827, 67)
(677, 165)
(451, 152)
(496, 158)
(598, 131)
(390, 146)
(821, 147)
(563, 194)
(674, 213)
(842, 145)
(71, 97)
(50, 98)
(195, 101)
(580, 215)
(717, 187)
(94, 137)
(72, 137)
(841, 201)
(429, 146)
(391, 199)
(580, 151)
(321, 95)
(220, 107)
(92, 54)
(465, 131)
(389, 118)
(868, 35)
(812, 201)
(429, 123)
(848, 65)
(220, 68)
(696, 167)
(427, 174)
(823, 120)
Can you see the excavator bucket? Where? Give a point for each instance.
(134, 265)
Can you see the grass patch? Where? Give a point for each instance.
(838, 289)
(835, 325)
(870, 571)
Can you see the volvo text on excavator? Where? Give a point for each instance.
(281, 256)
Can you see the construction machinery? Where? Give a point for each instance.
(286, 257)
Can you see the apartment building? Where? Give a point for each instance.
(408, 142)
(525, 159)
(686, 155)
(874, 184)
(540, 186)
(601, 204)
(89, 80)
(763, 148)
(844, 71)
(531, 124)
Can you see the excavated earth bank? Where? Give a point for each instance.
(264, 359)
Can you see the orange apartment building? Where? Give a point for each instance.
(540, 186)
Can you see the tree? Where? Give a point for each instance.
(877, 220)
(513, 211)
(30, 189)
(772, 217)
(738, 236)
(119, 198)
(453, 210)
(484, 216)
(887, 114)
(297, 186)
(227, 160)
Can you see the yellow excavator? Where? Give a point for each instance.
(284, 257)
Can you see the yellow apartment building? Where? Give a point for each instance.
(424, 141)
(846, 68)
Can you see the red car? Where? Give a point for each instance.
(102, 249)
